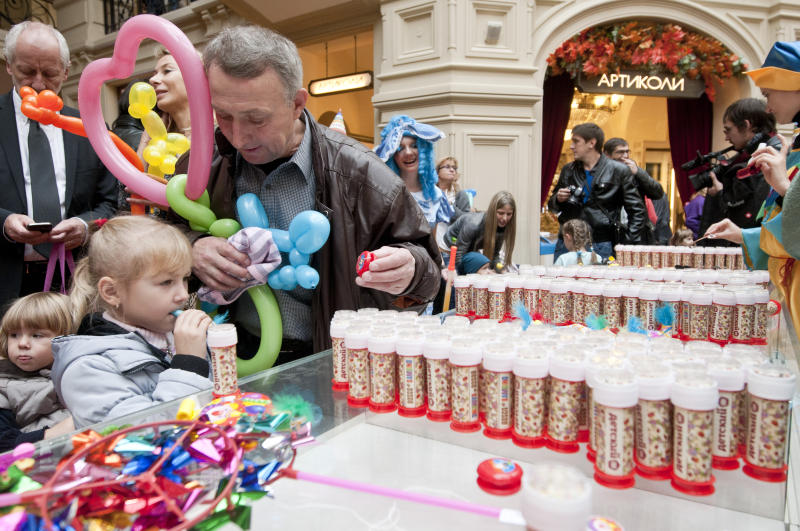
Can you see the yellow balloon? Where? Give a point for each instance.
(154, 152)
(154, 126)
(177, 144)
(137, 110)
(168, 164)
(142, 96)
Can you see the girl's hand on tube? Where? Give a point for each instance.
(190, 333)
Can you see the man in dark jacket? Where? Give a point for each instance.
(49, 177)
(271, 146)
(656, 229)
(595, 189)
(736, 192)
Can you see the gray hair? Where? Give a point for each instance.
(245, 52)
(13, 34)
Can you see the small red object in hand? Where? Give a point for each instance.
(364, 259)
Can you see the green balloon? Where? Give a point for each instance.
(271, 332)
(224, 228)
(197, 212)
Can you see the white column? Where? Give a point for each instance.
(466, 67)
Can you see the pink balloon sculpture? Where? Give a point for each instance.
(120, 66)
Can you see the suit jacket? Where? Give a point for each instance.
(91, 191)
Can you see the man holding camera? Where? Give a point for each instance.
(596, 189)
(656, 230)
(735, 191)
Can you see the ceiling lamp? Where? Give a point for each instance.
(339, 84)
(595, 108)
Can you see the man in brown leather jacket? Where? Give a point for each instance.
(271, 146)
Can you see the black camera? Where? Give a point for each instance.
(716, 160)
(575, 195)
(702, 180)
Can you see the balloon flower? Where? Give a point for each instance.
(163, 150)
(43, 107)
(121, 66)
(307, 233)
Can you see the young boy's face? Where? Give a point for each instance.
(30, 349)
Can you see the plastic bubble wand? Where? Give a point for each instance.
(509, 516)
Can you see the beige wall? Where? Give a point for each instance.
(433, 61)
(345, 55)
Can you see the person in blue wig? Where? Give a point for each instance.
(775, 245)
(407, 148)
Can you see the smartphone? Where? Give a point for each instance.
(44, 226)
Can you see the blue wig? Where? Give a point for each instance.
(391, 136)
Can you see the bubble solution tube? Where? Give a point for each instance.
(770, 388)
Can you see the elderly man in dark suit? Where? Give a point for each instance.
(47, 176)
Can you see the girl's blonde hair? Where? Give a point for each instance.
(126, 249)
(581, 234)
(39, 311)
(499, 200)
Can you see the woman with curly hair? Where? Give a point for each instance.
(407, 148)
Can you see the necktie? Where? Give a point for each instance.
(46, 204)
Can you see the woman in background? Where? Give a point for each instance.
(172, 104)
(485, 240)
(447, 170)
(407, 148)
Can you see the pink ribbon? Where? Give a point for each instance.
(58, 254)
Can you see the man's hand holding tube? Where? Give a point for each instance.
(391, 270)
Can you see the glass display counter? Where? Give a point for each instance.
(422, 456)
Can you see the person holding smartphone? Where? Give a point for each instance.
(53, 182)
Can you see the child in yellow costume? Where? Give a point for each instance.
(776, 244)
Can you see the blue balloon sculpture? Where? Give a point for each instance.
(307, 233)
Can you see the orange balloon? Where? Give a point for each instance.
(50, 100)
(42, 108)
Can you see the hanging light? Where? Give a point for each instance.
(596, 108)
(339, 84)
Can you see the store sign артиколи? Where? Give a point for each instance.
(641, 84)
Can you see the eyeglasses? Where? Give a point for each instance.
(448, 167)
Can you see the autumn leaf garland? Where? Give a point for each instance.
(659, 48)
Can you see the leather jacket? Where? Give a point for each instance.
(739, 200)
(613, 188)
(648, 186)
(368, 207)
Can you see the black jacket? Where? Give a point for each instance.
(91, 191)
(740, 198)
(648, 186)
(613, 188)
(461, 205)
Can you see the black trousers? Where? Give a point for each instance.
(291, 349)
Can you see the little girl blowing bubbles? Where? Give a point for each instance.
(131, 352)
